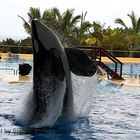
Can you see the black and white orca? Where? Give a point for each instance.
(52, 67)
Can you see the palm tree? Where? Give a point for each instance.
(98, 32)
(82, 32)
(135, 28)
(66, 21)
(63, 23)
(34, 13)
(132, 32)
(48, 17)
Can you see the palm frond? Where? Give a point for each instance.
(138, 25)
(97, 35)
(133, 20)
(75, 20)
(34, 13)
(57, 13)
(26, 25)
(121, 22)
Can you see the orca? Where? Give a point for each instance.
(52, 67)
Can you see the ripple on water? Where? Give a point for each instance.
(115, 115)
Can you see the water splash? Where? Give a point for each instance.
(83, 90)
(107, 86)
(52, 101)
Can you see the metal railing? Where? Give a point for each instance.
(96, 54)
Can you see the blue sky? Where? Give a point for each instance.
(104, 11)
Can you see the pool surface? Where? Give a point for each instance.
(115, 112)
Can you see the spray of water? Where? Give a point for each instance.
(83, 90)
(52, 105)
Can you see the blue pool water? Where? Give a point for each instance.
(115, 113)
(128, 68)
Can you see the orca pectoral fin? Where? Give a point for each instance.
(80, 63)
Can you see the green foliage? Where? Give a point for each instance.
(76, 30)
(10, 41)
(16, 46)
(26, 42)
(131, 34)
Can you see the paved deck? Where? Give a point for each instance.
(22, 56)
(104, 59)
(123, 59)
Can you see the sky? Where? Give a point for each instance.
(103, 11)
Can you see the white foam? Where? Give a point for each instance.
(83, 90)
(55, 106)
(53, 110)
(25, 109)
